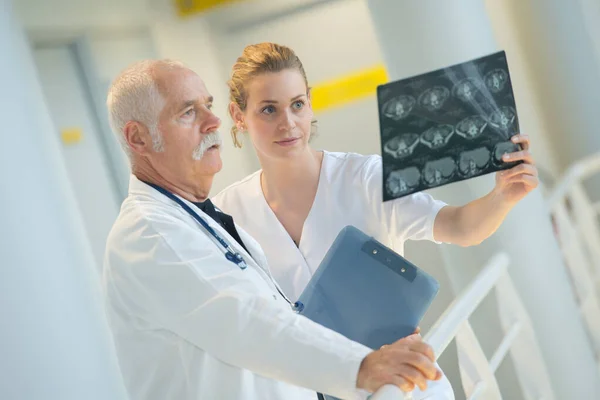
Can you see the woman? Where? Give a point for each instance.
(301, 198)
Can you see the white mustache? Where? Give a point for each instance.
(212, 139)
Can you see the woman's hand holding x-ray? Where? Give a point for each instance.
(515, 183)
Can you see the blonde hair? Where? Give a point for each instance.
(255, 60)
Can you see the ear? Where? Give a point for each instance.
(137, 137)
(236, 115)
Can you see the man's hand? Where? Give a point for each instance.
(407, 363)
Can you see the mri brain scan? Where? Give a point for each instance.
(503, 118)
(401, 146)
(446, 125)
(473, 162)
(399, 107)
(438, 136)
(495, 80)
(434, 98)
(471, 127)
(402, 181)
(466, 89)
(438, 172)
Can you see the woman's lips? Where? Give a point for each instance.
(287, 142)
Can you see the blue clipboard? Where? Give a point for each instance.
(367, 292)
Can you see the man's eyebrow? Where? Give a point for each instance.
(189, 103)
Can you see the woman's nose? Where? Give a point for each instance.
(288, 122)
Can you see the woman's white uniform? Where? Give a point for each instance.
(188, 324)
(349, 193)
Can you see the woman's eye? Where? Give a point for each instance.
(268, 110)
(298, 104)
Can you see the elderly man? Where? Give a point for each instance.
(194, 311)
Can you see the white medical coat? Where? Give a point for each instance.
(188, 324)
(349, 193)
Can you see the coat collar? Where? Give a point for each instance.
(139, 188)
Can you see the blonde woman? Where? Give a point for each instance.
(302, 197)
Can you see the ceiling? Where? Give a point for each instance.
(77, 15)
(241, 15)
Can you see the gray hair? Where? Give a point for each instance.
(135, 96)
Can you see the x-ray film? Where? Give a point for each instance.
(446, 126)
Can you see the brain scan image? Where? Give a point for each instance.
(434, 98)
(471, 127)
(446, 125)
(402, 181)
(399, 107)
(503, 118)
(501, 149)
(466, 89)
(401, 146)
(438, 136)
(438, 172)
(495, 80)
(473, 162)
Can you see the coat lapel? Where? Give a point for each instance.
(254, 256)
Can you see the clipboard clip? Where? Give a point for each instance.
(298, 307)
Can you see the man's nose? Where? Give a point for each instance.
(211, 122)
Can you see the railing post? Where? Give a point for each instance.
(525, 352)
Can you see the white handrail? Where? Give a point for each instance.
(575, 173)
(578, 233)
(504, 347)
(447, 326)
(479, 388)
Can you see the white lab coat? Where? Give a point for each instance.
(188, 324)
(349, 193)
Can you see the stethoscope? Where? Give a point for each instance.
(230, 254)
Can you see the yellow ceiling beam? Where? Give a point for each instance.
(348, 88)
(186, 8)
